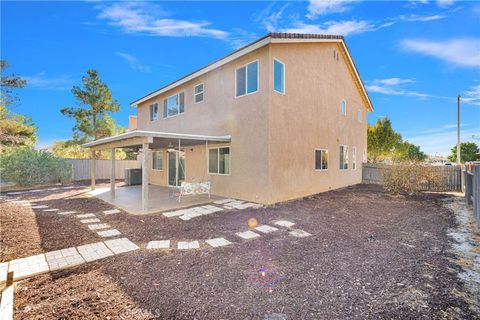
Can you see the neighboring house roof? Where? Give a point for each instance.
(269, 38)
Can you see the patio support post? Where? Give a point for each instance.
(145, 177)
(177, 162)
(93, 169)
(112, 174)
(206, 156)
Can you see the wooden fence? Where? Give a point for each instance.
(472, 189)
(373, 173)
(81, 168)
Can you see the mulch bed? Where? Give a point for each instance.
(371, 255)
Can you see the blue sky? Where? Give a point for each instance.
(415, 57)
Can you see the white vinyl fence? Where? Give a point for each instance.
(81, 168)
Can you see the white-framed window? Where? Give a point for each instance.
(174, 105)
(364, 155)
(359, 116)
(154, 111)
(278, 76)
(198, 93)
(344, 107)
(343, 157)
(246, 79)
(354, 158)
(321, 159)
(157, 160)
(219, 160)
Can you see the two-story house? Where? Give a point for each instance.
(281, 118)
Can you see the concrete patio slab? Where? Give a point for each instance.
(64, 258)
(284, 223)
(160, 244)
(98, 226)
(299, 233)
(247, 235)
(109, 233)
(266, 229)
(185, 245)
(113, 211)
(86, 215)
(90, 220)
(26, 267)
(129, 199)
(94, 251)
(218, 242)
(121, 245)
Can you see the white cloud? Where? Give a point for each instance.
(321, 7)
(416, 17)
(445, 3)
(344, 28)
(42, 81)
(393, 86)
(472, 96)
(134, 63)
(149, 19)
(464, 52)
(441, 140)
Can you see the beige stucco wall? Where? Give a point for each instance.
(308, 117)
(244, 118)
(273, 135)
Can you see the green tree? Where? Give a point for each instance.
(15, 130)
(71, 149)
(382, 140)
(409, 151)
(92, 115)
(469, 151)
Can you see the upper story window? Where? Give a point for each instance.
(246, 79)
(154, 111)
(278, 76)
(174, 105)
(359, 116)
(157, 161)
(321, 159)
(343, 157)
(198, 93)
(344, 107)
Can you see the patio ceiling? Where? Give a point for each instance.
(156, 139)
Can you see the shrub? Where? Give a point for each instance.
(411, 178)
(27, 167)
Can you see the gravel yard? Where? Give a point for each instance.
(370, 255)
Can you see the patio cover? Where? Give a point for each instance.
(145, 139)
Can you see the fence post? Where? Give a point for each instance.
(476, 193)
(468, 186)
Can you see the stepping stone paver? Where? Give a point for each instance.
(121, 245)
(39, 207)
(172, 214)
(28, 266)
(185, 245)
(3, 272)
(67, 212)
(160, 244)
(113, 211)
(94, 251)
(218, 242)
(266, 229)
(299, 233)
(6, 306)
(51, 210)
(90, 220)
(284, 223)
(184, 218)
(86, 215)
(247, 235)
(65, 258)
(223, 201)
(20, 201)
(98, 226)
(109, 233)
(27, 204)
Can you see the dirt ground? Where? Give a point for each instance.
(371, 255)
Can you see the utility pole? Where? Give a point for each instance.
(458, 130)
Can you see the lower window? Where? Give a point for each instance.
(219, 160)
(343, 157)
(321, 159)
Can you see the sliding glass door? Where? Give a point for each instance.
(173, 157)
